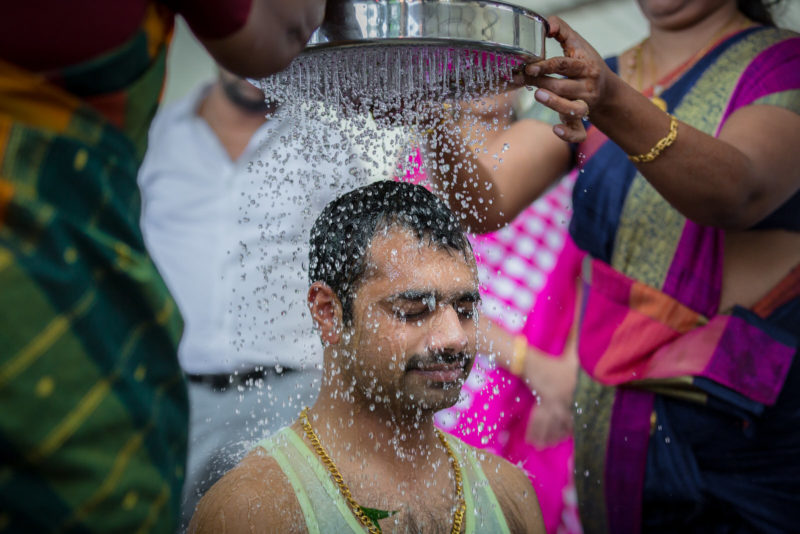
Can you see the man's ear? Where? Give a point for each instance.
(326, 311)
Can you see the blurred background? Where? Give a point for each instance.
(609, 25)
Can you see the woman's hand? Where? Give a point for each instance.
(583, 88)
(552, 380)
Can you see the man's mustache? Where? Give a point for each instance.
(425, 361)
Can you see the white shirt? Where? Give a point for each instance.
(231, 238)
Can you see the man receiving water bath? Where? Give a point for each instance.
(394, 295)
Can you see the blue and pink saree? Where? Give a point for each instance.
(687, 415)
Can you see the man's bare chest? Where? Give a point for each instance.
(416, 508)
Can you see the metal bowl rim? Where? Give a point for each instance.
(529, 12)
(430, 39)
(466, 44)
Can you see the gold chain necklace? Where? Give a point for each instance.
(327, 461)
(659, 85)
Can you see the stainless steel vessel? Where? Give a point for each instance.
(487, 26)
(381, 56)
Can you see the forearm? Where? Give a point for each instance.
(515, 355)
(712, 181)
(467, 181)
(730, 181)
(495, 341)
(492, 181)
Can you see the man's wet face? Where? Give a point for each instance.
(414, 323)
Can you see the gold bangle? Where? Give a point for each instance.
(662, 144)
(519, 355)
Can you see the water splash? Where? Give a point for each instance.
(394, 83)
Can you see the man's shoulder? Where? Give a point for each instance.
(497, 469)
(513, 490)
(255, 492)
(174, 141)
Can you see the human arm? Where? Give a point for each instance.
(487, 191)
(273, 33)
(544, 355)
(251, 497)
(551, 378)
(515, 494)
(732, 181)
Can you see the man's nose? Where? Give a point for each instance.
(447, 331)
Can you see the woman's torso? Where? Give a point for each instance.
(755, 262)
(621, 220)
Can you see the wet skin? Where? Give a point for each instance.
(411, 345)
(414, 333)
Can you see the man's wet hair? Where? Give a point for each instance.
(342, 234)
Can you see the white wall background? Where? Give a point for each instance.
(610, 25)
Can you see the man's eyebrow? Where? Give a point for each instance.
(413, 294)
(417, 295)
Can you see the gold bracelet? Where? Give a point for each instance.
(519, 355)
(662, 144)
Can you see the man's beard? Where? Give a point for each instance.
(244, 102)
(419, 361)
